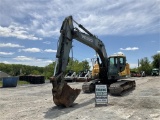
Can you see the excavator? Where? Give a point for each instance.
(63, 94)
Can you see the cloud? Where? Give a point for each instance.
(18, 32)
(119, 53)
(47, 42)
(10, 45)
(48, 33)
(50, 50)
(88, 59)
(32, 50)
(6, 53)
(24, 58)
(119, 18)
(6, 62)
(103, 17)
(158, 51)
(130, 48)
(29, 61)
(48, 61)
(36, 50)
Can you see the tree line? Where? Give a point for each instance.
(47, 71)
(75, 65)
(146, 65)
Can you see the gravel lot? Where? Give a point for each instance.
(34, 102)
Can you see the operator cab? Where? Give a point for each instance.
(116, 64)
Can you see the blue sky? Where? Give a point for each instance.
(29, 29)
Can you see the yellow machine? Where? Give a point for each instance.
(95, 69)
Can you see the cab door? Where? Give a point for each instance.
(121, 63)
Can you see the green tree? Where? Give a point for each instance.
(71, 64)
(85, 65)
(156, 60)
(18, 69)
(49, 70)
(77, 66)
(134, 69)
(145, 66)
(6, 68)
(35, 72)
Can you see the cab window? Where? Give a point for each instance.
(121, 60)
(113, 61)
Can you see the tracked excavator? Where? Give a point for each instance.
(63, 94)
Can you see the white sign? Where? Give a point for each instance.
(101, 95)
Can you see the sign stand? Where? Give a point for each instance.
(101, 95)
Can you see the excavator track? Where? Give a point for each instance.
(119, 87)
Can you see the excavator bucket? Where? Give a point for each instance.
(64, 95)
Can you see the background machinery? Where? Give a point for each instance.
(155, 72)
(70, 76)
(84, 76)
(109, 68)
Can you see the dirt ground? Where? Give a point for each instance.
(34, 102)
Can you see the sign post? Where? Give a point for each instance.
(101, 95)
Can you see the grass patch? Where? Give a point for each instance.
(22, 82)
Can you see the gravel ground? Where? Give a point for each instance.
(34, 102)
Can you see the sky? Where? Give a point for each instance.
(29, 29)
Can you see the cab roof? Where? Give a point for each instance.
(118, 55)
